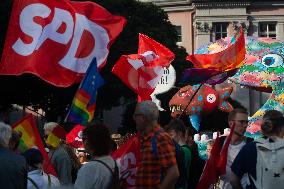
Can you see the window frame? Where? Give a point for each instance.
(268, 32)
(223, 29)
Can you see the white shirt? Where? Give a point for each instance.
(233, 151)
(41, 180)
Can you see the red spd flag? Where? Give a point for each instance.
(141, 72)
(74, 137)
(128, 157)
(57, 40)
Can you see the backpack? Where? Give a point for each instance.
(182, 180)
(115, 182)
(270, 164)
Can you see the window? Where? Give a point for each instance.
(267, 29)
(220, 30)
(178, 29)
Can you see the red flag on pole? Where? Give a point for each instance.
(128, 156)
(57, 40)
(224, 153)
(141, 72)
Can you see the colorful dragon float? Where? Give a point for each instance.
(262, 70)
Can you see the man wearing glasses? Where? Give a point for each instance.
(262, 159)
(237, 119)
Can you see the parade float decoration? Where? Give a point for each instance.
(262, 70)
(204, 101)
(214, 68)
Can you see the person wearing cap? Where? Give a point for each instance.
(36, 177)
(13, 171)
(58, 155)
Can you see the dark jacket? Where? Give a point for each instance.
(13, 170)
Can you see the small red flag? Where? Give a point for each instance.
(74, 137)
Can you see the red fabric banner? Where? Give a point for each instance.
(74, 137)
(228, 59)
(57, 40)
(141, 72)
(128, 157)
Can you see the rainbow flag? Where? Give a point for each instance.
(84, 103)
(31, 139)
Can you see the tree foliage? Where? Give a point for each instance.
(141, 17)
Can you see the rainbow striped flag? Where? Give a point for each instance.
(31, 139)
(84, 103)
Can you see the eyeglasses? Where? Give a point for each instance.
(242, 121)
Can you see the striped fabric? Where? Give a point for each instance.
(84, 103)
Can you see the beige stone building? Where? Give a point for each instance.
(199, 22)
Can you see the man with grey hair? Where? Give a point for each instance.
(158, 167)
(13, 172)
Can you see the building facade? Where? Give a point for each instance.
(199, 22)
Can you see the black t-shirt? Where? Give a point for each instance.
(245, 162)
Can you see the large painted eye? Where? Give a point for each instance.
(211, 98)
(272, 60)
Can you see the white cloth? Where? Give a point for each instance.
(95, 175)
(41, 180)
(233, 151)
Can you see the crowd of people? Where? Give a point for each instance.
(169, 156)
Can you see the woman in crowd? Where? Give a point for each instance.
(102, 169)
(37, 179)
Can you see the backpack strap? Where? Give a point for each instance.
(49, 180)
(154, 143)
(115, 172)
(33, 182)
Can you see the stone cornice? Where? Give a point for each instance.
(214, 4)
(172, 3)
(178, 8)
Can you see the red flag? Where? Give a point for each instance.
(74, 137)
(129, 157)
(210, 173)
(57, 40)
(165, 56)
(141, 72)
(224, 154)
(228, 59)
(31, 138)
